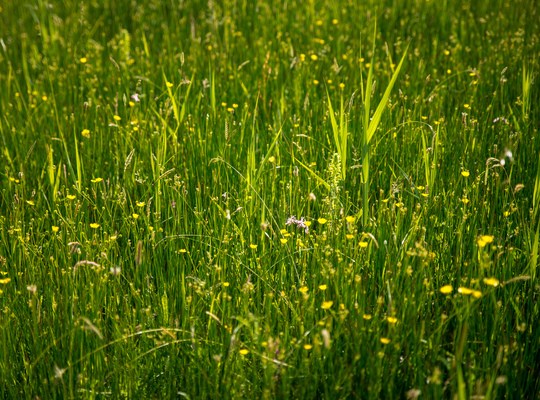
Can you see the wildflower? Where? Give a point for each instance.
(465, 291)
(308, 346)
(85, 133)
(446, 289)
(83, 60)
(350, 219)
(283, 240)
(135, 97)
(349, 236)
(5, 281)
(32, 288)
(55, 228)
(323, 287)
(96, 180)
(226, 284)
(491, 282)
(300, 223)
(253, 246)
(135, 216)
(115, 270)
(477, 294)
(71, 197)
(465, 173)
(367, 317)
(244, 352)
(140, 203)
(484, 240)
(363, 244)
(327, 304)
(391, 320)
(169, 84)
(314, 57)
(182, 251)
(94, 225)
(31, 202)
(303, 289)
(117, 117)
(322, 221)
(385, 340)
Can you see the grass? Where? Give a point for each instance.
(154, 157)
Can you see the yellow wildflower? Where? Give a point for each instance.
(491, 282)
(446, 289)
(327, 304)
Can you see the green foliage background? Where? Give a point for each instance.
(152, 153)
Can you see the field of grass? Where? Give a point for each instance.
(258, 199)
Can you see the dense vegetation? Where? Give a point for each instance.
(258, 199)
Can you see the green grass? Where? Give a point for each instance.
(153, 153)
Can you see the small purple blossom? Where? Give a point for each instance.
(300, 223)
(135, 97)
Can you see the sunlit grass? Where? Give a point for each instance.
(266, 199)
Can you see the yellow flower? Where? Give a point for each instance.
(135, 216)
(5, 281)
(303, 289)
(350, 219)
(169, 84)
(465, 291)
(323, 287)
(367, 317)
(31, 202)
(385, 340)
(308, 347)
(96, 180)
(83, 60)
(253, 246)
(283, 240)
(491, 282)
(327, 304)
(363, 244)
(465, 173)
(55, 228)
(244, 352)
(140, 203)
(391, 320)
(349, 236)
(446, 289)
(85, 133)
(94, 225)
(71, 197)
(314, 57)
(117, 117)
(484, 240)
(477, 293)
(322, 221)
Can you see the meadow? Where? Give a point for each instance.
(269, 199)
